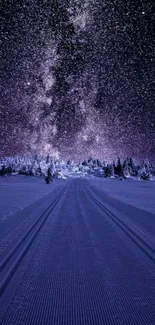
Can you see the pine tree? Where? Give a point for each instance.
(48, 159)
(144, 172)
(112, 171)
(119, 169)
(107, 171)
(84, 163)
(126, 168)
(133, 169)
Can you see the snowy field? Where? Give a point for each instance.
(78, 260)
(137, 193)
(17, 192)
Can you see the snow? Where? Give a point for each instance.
(139, 194)
(17, 192)
(38, 166)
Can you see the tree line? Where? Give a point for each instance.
(38, 166)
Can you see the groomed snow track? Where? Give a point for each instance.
(77, 262)
(27, 239)
(135, 237)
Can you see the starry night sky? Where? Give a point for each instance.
(77, 78)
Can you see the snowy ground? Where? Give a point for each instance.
(17, 192)
(78, 255)
(140, 194)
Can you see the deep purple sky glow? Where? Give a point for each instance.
(77, 78)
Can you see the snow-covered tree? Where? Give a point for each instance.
(119, 169)
(144, 172)
(38, 166)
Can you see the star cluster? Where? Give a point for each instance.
(77, 78)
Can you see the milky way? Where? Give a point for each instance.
(77, 78)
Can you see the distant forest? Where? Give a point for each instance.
(38, 166)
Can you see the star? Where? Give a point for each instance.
(77, 79)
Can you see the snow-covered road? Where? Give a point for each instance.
(80, 257)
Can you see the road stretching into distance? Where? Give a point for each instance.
(78, 257)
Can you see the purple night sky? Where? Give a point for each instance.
(77, 78)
